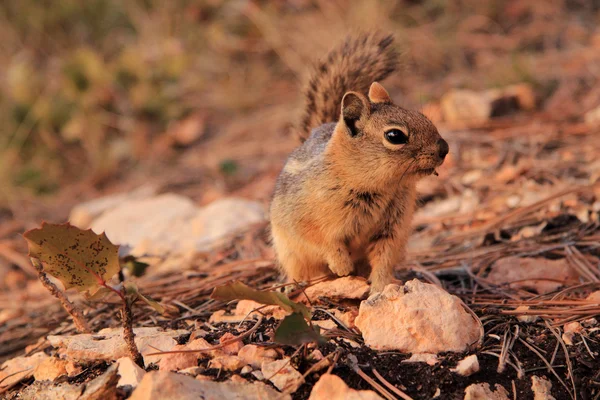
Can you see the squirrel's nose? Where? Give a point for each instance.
(442, 148)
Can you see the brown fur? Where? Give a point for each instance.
(353, 65)
(346, 197)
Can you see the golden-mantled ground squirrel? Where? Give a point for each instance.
(345, 198)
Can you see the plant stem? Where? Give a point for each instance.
(71, 308)
(128, 334)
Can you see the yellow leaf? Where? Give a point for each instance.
(79, 259)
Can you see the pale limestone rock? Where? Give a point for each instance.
(244, 308)
(83, 214)
(130, 373)
(50, 369)
(532, 273)
(467, 366)
(224, 217)
(73, 369)
(482, 391)
(179, 361)
(282, 375)
(332, 387)
(237, 379)
(227, 363)
(258, 375)
(108, 344)
(346, 317)
(419, 318)
(192, 371)
(463, 105)
(347, 287)
(254, 355)
(428, 358)
(574, 327)
(100, 388)
(246, 370)
(542, 388)
(145, 224)
(148, 223)
(592, 117)
(527, 318)
(472, 107)
(325, 324)
(16, 369)
(594, 296)
(160, 385)
(232, 348)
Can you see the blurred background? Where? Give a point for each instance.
(98, 96)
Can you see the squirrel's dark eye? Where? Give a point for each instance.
(396, 136)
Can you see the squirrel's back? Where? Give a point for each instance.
(352, 66)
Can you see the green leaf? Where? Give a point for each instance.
(133, 290)
(79, 259)
(135, 267)
(239, 291)
(293, 330)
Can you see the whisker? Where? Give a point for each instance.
(409, 165)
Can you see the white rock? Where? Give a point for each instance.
(246, 370)
(430, 359)
(130, 373)
(346, 317)
(527, 318)
(594, 296)
(232, 348)
(83, 214)
(14, 370)
(258, 375)
(101, 387)
(467, 366)
(255, 355)
(282, 375)
(462, 105)
(147, 224)
(245, 309)
(574, 327)
(325, 324)
(482, 391)
(179, 361)
(50, 369)
(416, 318)
(592, 117)
(224, 217)
(108, 344)
(347, 287)
(332, 387)
(192, 371)
(150, 223)
(227, 363)
(542, 388)
(160, 385)
(540, 274)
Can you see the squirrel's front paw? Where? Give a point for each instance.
(377, 285)
(342, 269)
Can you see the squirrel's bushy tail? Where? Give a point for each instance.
(352, 66)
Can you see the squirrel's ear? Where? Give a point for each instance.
(354, 107)
(377, 94)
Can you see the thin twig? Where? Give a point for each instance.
(71, 308)
(218, 346)
(390, 386)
